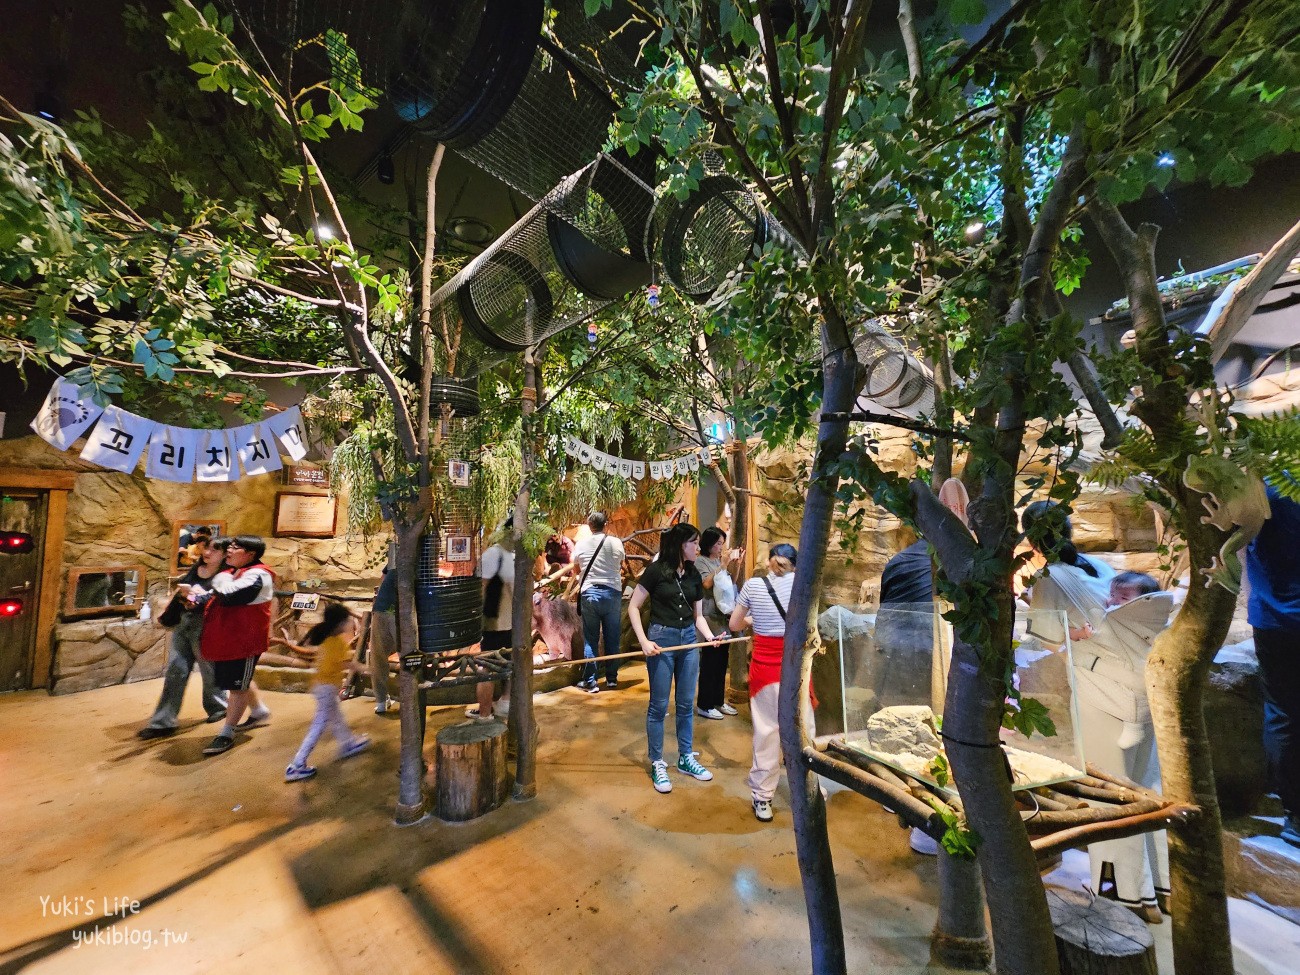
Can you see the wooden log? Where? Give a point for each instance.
(470, 771)
(1099, 937)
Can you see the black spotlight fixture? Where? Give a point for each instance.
(47, 105)
(385, 171)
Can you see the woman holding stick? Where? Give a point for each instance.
(675, 594)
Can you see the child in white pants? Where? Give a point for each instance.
(332, 637)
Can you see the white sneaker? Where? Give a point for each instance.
(923, 843)
(728, 710)
(763, 810)
(712, 714)
(659, 776)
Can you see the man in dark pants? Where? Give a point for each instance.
(1273, 609)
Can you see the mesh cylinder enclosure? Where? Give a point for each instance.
(714, 232)
(448, 592)
(586, 243)
(895, 378)
(452, 68)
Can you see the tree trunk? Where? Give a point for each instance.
(812, 844)
(410, 789)
(1022, 927)
(523, 724)
(960, 938)
(1177, 670)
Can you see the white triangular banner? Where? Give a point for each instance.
(172, 451)
(65, 415)
(656, 470)
(638, 469)
(584, 453)
(118, 440)
(683, 465)
(693, 462)
(257, 449)
(624, 468)
(288, 427)
(216, 459)
(571, 445)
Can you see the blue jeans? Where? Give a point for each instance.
(182, 658)
(684, 665)
(602, 609)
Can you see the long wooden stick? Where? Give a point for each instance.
(638, 654)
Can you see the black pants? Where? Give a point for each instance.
(1279, 666)
(713, 677)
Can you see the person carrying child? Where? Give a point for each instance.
(332, 637)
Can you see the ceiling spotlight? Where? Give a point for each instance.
(385, 172)
(975, 231)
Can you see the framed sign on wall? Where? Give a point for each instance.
(299, 514)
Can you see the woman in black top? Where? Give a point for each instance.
(675, 593)
(184, 656)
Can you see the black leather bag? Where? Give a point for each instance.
(172, 614)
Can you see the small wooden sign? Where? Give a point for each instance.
(306, 475)
(302, 515)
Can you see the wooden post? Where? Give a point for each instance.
(1098, 937)
(471, 770)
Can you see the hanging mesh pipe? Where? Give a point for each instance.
(585, 244)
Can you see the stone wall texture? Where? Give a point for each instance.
(127, 519)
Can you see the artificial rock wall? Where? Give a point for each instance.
(127, 519)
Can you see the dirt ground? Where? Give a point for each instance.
(141, 857)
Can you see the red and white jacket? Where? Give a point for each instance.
(237, 621)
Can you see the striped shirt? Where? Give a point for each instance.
(754, 597)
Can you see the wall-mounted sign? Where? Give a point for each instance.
(302, 515)
(458, 473)
(306, 475)
(458, 548)
(305, 600)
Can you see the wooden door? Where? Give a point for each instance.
(20, 579)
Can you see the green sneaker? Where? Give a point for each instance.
(688, 765)
(659, 776)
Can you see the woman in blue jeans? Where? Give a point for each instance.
(675, 593)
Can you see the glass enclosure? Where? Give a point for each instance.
(893, 664)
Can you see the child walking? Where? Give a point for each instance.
(332, 637)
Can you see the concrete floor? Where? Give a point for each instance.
(140, 857)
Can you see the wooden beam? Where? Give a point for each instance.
(47, 607)
(33, 477)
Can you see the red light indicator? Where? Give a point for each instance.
(15, 542)
(10, 607)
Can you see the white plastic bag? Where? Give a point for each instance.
(724, 592)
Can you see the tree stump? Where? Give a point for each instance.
(1099, 937)
(470, 770)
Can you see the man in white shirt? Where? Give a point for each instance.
(598, 560)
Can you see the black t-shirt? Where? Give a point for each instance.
(672, 597)
(906, 578)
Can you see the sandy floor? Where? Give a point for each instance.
(138, 857)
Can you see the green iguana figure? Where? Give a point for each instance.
(1237, 503)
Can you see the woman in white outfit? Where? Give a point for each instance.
(763, 603)
(1120, 740)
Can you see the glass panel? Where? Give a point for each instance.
(894, 665)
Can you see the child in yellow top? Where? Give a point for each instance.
(333, 637)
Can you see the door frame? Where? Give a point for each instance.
(58, 484)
